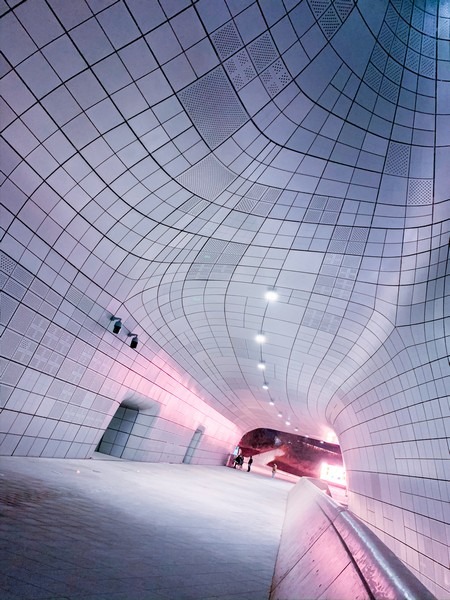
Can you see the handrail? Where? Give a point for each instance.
(383, 575)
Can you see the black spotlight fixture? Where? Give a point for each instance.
(117, 324)
(134, 340)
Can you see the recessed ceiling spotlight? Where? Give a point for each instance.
(260, 338)
(288, 422)
(280, 414)
(261, 365)
(295, 428)
(271, 295)
(265, 386)
(271, 402)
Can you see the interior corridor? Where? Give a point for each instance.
(121, 530)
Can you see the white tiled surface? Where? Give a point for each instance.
(120, 530)
(171, 164)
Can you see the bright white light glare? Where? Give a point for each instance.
(265, 386)
(260, 338)
(333, 474)
(280, 414)
(332, 438)
(288, 422)
(271, 296)
(295, 428)
(261, 365)
(271, 402)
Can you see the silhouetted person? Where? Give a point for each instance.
(274, 469)
(238, 461)
(250, 462)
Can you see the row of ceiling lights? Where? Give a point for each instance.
(260, 338)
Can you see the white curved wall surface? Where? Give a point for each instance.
(168, 163)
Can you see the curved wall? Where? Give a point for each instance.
(169, 166)
(65, 374)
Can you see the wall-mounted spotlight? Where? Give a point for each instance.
(117, 324)
(261, 365)
(265, 386)
(134, 340)
(271, 295)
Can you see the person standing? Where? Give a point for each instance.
(274, 469)
(249, 464)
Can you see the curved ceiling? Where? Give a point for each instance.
(186, 157)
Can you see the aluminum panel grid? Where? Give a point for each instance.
(171, 166)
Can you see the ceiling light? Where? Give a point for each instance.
(280, 414)
(261, 365)
(265, 386)
(271, 296)
(295, 428)
(260, 338)
(288, 422)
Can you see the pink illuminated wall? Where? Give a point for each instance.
(68, 373)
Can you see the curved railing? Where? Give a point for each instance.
(326, 552)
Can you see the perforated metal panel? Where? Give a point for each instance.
(214, 107)
(420, 192)
(227, 40)
(257, 191)
(194, 206)
(207, 179)
(397, 160)
(275, 78)
(6, 263)
(319, 6)
(263, 52)
(343, 7)
(348, 239)
(240, 69)
(330, 22)
(246, 205)
(272, 194)
(217, 260)
(262, 209)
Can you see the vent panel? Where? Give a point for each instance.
(214, 107)
(207, 179)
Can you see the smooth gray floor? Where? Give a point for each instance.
(124, 530)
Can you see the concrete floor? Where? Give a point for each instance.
(114, 529)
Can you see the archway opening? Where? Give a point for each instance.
(297, 455)
(194, 443)
(129, 432)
